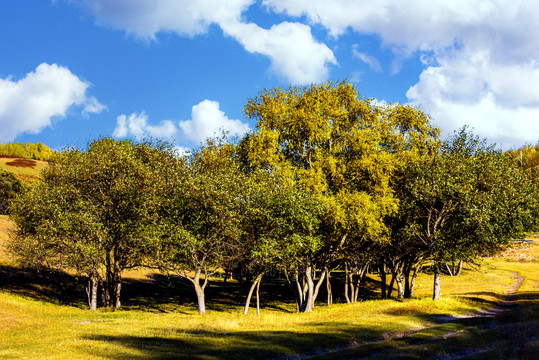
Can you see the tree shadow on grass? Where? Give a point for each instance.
(198, 344)
(56, 287)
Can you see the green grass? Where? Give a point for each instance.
(40, 319)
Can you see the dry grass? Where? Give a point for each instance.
(25, 169)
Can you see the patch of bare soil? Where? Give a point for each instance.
(19, 162)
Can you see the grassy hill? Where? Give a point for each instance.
(27, 170)
(43, 315)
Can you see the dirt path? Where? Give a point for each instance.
(502, 306)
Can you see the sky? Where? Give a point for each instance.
(181, 70)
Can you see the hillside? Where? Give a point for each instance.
(27, 170)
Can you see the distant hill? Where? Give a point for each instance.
(28, 170)
(25, 160)
(37, 151)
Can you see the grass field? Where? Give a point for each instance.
(27, 170)
(159, 321)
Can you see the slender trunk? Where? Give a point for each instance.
(383, 280)
(117, 285)
(437, 282)
(391, 282)
(414, 276)
(459, 269)
(355, 280)
(318, 284)
(91, 290)
(258, 296)
(346, 283)
(362, 281)
(328, 287)
(250, 294)
(351, 286)
(407, 268)
(449, 269)
(104, 293)
(300, 295)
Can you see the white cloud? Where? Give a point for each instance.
(136, 125)
(482, 57)
(30, 104)
(367, 59)
(293, 51)
(207, 120)
(495, 99)
(146, 18)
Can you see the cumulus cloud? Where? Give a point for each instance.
(146, 18)
(207, 120)
(492, 98)
(481, 57)
(136, 125)
(293, 51)
(30, 104)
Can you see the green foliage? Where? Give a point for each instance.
(466, 200)
(94, 211)
(37, 151)
(10, 186)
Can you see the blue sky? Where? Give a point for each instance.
(74, 70)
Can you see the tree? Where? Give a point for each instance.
(10, 186)
(342, 149)
(279, 225)
(95, 211)
(465, 200)
(201, 216)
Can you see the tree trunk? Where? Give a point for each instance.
(417, 269)
(391, 282)
(117, 285)
(310, 289)
(383, 278)
(459, 269)
(91, 290)
(258, 296)
(199, 290)
(250, 294)
(346, 283)
(400, 285)
(437, 282)
(328, 287)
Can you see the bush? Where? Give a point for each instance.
(10, 186)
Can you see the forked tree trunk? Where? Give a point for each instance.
(310, 289)
(250, 294)
(437, 282)
(305, 289)
(199, 289)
